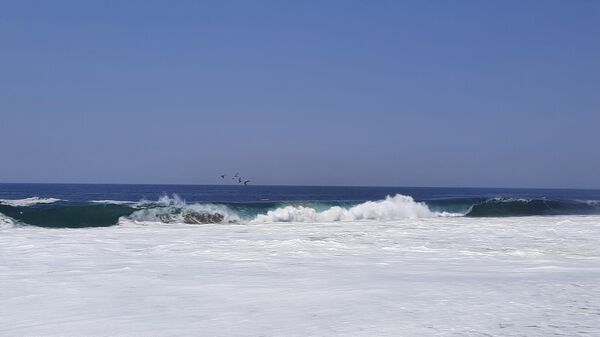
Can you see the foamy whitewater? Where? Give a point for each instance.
(396, 207)
(389, 267)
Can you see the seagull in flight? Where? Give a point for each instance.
(237, 178)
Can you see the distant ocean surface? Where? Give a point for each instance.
(80, 205)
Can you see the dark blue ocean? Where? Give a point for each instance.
(86, 205)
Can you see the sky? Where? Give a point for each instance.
(391, 93)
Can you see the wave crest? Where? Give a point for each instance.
(391, 208)
(176, 210)
(112, 202)
(28, 201)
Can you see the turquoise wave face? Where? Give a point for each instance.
(68, 216)
(503, 207)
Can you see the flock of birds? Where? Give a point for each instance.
(237, 178)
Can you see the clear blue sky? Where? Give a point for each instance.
(401, 93)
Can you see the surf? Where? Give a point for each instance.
(506, 207)
(67, 216)
(49, 212)
(391, 208)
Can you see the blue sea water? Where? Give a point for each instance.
(255, 193)
(83, 205)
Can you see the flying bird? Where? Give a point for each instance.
(237, 178)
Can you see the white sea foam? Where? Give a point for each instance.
(432, 276)
(391, 208)
(28, 201)
(112, 202)
(165, 200)
(593, 203)
(505, 199)
(6, 222)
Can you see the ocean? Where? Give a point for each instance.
(74, 205)
(230, 260)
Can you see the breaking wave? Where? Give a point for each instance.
(6, 222)
(172, 210)
(391, 208)
(193, 214)
(503, 207)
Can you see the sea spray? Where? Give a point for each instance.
(391, 208)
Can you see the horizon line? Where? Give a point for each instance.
(292, 185)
